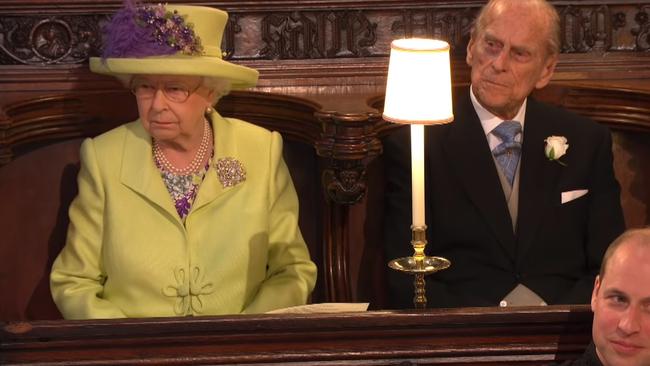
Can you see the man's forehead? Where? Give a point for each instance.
(521, 22)
(630, 260)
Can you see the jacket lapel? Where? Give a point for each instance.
(139, 172)
(538, 177)
(468, 153)
(225, 145)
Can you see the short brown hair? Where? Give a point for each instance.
(640, 236)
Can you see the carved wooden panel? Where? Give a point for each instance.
(319, 47)
(302, 32)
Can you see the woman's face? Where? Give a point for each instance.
(172, 108)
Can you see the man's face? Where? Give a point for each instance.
(621, 305)
(509, 59)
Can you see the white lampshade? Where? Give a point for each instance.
(418, 89)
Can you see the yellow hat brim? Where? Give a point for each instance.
(241, 77)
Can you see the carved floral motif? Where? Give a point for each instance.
(322, 34)
(642, 31)
(49, 40)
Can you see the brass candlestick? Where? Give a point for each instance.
(419, 265)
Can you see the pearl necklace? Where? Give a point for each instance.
(196, 164)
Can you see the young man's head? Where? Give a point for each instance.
(621, 302)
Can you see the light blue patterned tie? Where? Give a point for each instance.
(507, 153)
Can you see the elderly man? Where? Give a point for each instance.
(521, 196)
(621, 305)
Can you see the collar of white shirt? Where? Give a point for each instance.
(489, 121)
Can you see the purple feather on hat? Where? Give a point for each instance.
(132, 32)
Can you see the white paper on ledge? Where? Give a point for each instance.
(325, 307)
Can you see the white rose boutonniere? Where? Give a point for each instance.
(556, 147)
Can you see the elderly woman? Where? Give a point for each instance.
(182, 212)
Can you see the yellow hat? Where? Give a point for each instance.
(169, 40)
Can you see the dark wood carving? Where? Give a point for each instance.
(642, 28)
(361, 31)
(47, 40)
(318, 47)
(305, 35)
(487, 336)
(349, 141)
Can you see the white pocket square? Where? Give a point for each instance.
(569, 196)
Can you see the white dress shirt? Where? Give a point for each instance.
(489, 121)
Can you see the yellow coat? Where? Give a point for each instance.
(128, 254)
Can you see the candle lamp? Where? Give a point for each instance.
(418, 93)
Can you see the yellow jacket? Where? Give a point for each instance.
(128, 254)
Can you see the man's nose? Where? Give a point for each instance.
(630, 321)
(502, 60)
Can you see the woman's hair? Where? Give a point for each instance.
(221, 87)
(125, 79)
(547, 13)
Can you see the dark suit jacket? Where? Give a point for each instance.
(557, 248)
(589, 358)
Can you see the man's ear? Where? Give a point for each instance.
(594, 293)
(547, 71)
(469, 59)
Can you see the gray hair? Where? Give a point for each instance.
(548, 13)
(220, 87)
(637, 236)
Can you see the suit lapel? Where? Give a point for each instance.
(468, 154)
(139, 172)
(538, 176)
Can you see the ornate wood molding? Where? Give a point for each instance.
(64, 37)
(349, 142)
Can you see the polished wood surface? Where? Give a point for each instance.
(472, 336)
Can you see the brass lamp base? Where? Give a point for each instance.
(419, 265)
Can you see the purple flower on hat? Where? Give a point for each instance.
(139, 30)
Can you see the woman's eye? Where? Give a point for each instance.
(144, 86)
(176, 88)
